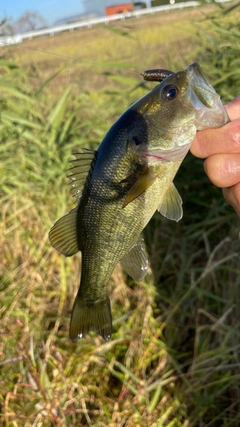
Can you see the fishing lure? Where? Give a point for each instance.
(156, 75)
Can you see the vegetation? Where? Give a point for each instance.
(173, 360)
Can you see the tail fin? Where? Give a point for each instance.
(91, 317)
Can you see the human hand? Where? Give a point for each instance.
(221, 149)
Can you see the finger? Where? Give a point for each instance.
(233, 108)
(232, 195)
(223, 170)
(222, 140)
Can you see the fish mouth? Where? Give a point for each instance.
(210, 112)
(173, 155)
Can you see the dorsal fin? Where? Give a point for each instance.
(63, 234)
(79, 172)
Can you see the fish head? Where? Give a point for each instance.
(174, 110)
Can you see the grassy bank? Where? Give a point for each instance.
(173, 359)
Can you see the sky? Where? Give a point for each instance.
(53, 10)
(50, 10)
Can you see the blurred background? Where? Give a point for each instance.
(173, 359)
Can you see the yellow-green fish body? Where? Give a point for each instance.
(120, 186)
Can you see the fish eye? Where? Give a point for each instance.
(169, 93)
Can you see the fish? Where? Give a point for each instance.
(120, 185)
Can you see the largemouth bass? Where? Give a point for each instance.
(119, 186)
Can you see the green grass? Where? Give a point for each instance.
(173, 360)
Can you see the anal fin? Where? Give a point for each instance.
(135, 262)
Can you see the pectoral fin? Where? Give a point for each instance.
(171, 205)
(143, 182)
(135, 262)
(63, 234)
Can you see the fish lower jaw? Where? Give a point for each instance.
(213, 117)
(174, 155)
